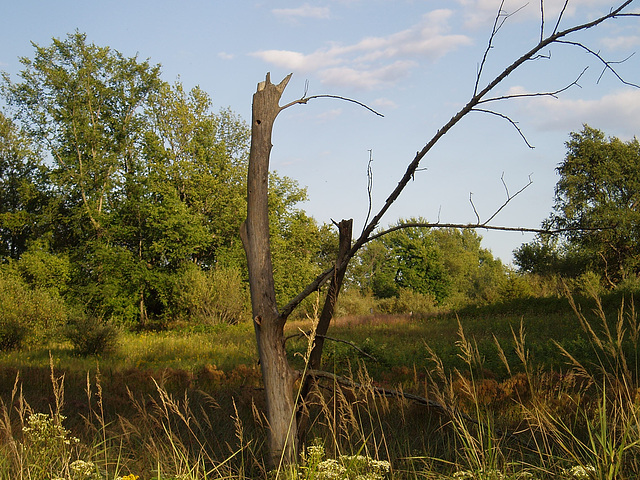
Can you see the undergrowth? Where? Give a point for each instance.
(441, 419)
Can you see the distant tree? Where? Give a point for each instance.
(597, 200)
(447, 264)
(405, 259)
(475, 275)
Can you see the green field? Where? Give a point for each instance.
(188, 401)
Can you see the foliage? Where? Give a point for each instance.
(448, 265)
(596, 199)
(23, 200)
(142, 181)
(214, 296)
(91, 336)
(27, 315)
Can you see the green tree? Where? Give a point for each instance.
(23, 196)
(475, 275)
(448, 264)
(408, 258)
(598, 200)
(84, 105)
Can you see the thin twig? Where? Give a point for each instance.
(553, 94)
(305, 99)
(494, 31)
(338, 340)
(369, 187)
(507, 118)
(474, 207)
(606, 64)
(541, 20)
(564, 8)
(509, 197)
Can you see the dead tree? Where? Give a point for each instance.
(269, 321)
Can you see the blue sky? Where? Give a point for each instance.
(415, 61)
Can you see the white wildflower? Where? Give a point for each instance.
(463, 474)
(331, 469)
(84, 470)
(581, 472)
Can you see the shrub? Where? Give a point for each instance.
(411, 302)
(41, 269)
(352, 302)
(27, 315)
(91, 336)
(215, 296)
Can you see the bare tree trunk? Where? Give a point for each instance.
(345, 232)
(345, 228)
(277, 375)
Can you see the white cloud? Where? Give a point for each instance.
(481, 12)
(329, 115)
(366, 78)
(225, 56)
(385, 103)
(298, 61)
(617, 113)
(374, 61)
(304, 11)
(621, 42)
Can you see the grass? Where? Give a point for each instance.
(186, 404)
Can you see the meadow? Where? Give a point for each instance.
(532, 388)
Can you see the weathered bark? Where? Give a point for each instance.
(315, 358)
(345, 232)
(277, 375)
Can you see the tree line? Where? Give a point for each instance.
(122, 196)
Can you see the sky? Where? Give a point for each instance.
(414, 61)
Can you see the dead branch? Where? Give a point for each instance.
(499, 21)
(398, 394)
(304, 99)
(606, 64)
(472, 226)
(474, 207)
(560, 15)
(508, 119)
(541, 20)
(369, 186)
(553, 94)
(509, 197)
(308, 333)
(479, 95)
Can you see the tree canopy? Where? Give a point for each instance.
(132, 180)
(449, 265)
(597, 203)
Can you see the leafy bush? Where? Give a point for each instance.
(409, 301)
(211, 297)
(91, 336)
(41, 269)
(352, 302)
(27, 315)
